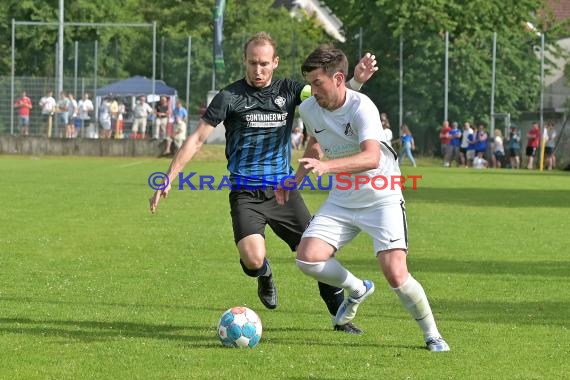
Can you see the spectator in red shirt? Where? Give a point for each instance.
(24, 105)
(532, 144)
(445, 138)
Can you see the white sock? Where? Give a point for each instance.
(333, 273)
(414, 299)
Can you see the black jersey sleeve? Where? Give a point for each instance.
(218, 109)
(297, 87)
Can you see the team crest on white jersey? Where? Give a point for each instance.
(348, 131)
(280, 101)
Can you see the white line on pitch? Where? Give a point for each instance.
(132, 164)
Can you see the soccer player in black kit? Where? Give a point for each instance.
(258, 113)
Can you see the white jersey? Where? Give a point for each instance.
(339, 134)
(48, 105)
(85, 106)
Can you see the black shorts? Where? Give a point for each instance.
(548, 150)
(252, 210)
(530, 151)
(462, 150)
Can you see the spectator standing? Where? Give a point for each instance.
(162, 112)
(387, 128)
(24, 106)
(532, 144)
(445, 139)
(472, 148)
(49, 106)
(550, 137)
(63, 111)
(455, 143)
(114, 111)
(465, 136)
(482, 142)
(498, 149)
(514, 144)
(85, 107)
(105, 117)
(141, 112)
(297, 139)
(408, 145)
(180, 112)
(72, 111)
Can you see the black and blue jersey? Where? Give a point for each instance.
(258, 126)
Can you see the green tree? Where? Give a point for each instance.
(35, 44)
(422, 25)
(123, 52)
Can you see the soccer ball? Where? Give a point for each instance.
(239, 327)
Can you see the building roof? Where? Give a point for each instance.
(136, 86)
(560, 8)
(318, 9)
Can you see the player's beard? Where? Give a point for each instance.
(327, 103)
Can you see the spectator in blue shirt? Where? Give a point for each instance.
(471, 148)
(455, 143)
(407, 145)
(179, 112)
(481, 145)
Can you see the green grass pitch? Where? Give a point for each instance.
(95, 287)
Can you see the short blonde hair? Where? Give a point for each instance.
(260, 38)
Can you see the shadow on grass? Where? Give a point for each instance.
(527, 268)
(97, 331)
(543, 313)
(475, 197)
(94, 331)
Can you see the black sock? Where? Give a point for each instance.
(333, 297)
(265, 269)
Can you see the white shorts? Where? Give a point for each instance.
(385, 223)
(139, 121)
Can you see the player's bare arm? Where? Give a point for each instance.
(188, 149)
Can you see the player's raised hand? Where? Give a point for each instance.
(365, 68)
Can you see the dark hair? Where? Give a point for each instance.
(385, 121)
(260, 38)
(328, 58)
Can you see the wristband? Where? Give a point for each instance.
(356, 86)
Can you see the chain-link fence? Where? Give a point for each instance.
(429, 82)
(35, 89)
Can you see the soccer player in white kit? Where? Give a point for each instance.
(345, 126)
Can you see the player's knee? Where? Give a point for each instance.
(396, 278)
(252, 267)
(313, 250)
(308, 268)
